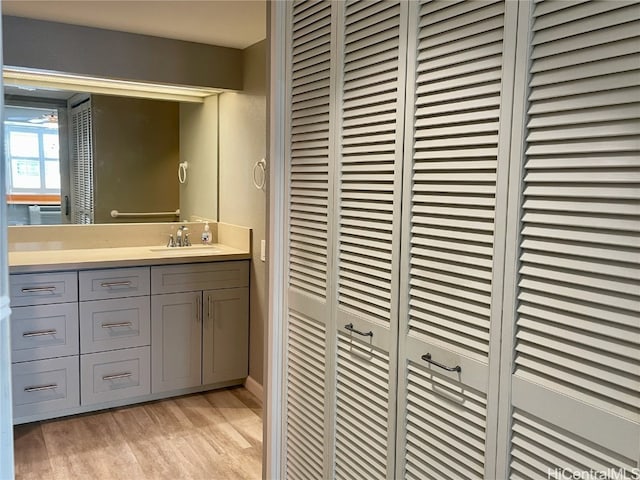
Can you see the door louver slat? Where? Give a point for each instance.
(305, 398)
(539, 448)
(368, 156)
(577, 326)
(445, 427)
(361, 399)
(309, 144)
(455, 156)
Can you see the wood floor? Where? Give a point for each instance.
(212, 435)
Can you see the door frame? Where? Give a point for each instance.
(273, 461)
(6, 413)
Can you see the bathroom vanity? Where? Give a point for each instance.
(95, 328)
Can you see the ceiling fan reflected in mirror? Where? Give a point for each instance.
(47, 118)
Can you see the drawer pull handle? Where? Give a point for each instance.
(126, 283)
(427, 358)
(116, 376)
(350, 327)
(41, 388)
(116, 325)
(39, 333)
(50, 289)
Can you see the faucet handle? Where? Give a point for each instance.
(186, 242)
(172, 242)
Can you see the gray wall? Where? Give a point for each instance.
(243, 119)
(136, 152)
(97, 52)
(199, 148)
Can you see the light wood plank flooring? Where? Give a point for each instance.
(211, 435)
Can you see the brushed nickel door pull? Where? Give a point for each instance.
(50, 289)
(427, 358)
(39, 333)
(198, 309)
(116, 376)
(116, 325)
(41, 388)
(349, 326)
(125, 283)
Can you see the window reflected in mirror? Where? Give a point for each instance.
(32, 152)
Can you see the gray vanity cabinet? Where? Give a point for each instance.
(200, 324)
(114, 334)
(225, 331)
(92, 339)
(176, 339)
(44, 342)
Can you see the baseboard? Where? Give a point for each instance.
(254, 387)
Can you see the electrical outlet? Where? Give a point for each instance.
(263, 250)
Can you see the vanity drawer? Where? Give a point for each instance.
(116, 323)
(199, 276)
(114, 283)
(43, 288)
(45, 386)
(44, 331)
(115, 375)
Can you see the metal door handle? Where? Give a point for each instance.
(427, 358)
(39, 333)
(349, 326)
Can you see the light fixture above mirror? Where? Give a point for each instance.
(34, 79)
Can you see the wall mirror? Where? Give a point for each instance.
(76, 156)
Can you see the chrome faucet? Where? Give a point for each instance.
(182, 236)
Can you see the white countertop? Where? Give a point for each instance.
(85, 258)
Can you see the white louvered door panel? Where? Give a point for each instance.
(459, 104)
(82, 197)
(362, 410)
(308, 372)
(575, 388)
(371, 81)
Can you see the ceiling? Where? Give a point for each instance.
(228, 23)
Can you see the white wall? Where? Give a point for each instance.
(242, 143)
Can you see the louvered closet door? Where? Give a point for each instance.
(459, 104)
(82, 206)
(308, 81)
(370, 98)
(575, 388)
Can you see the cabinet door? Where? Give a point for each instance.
(225, 335)
(176, 334)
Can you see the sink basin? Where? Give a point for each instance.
(191, 250)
